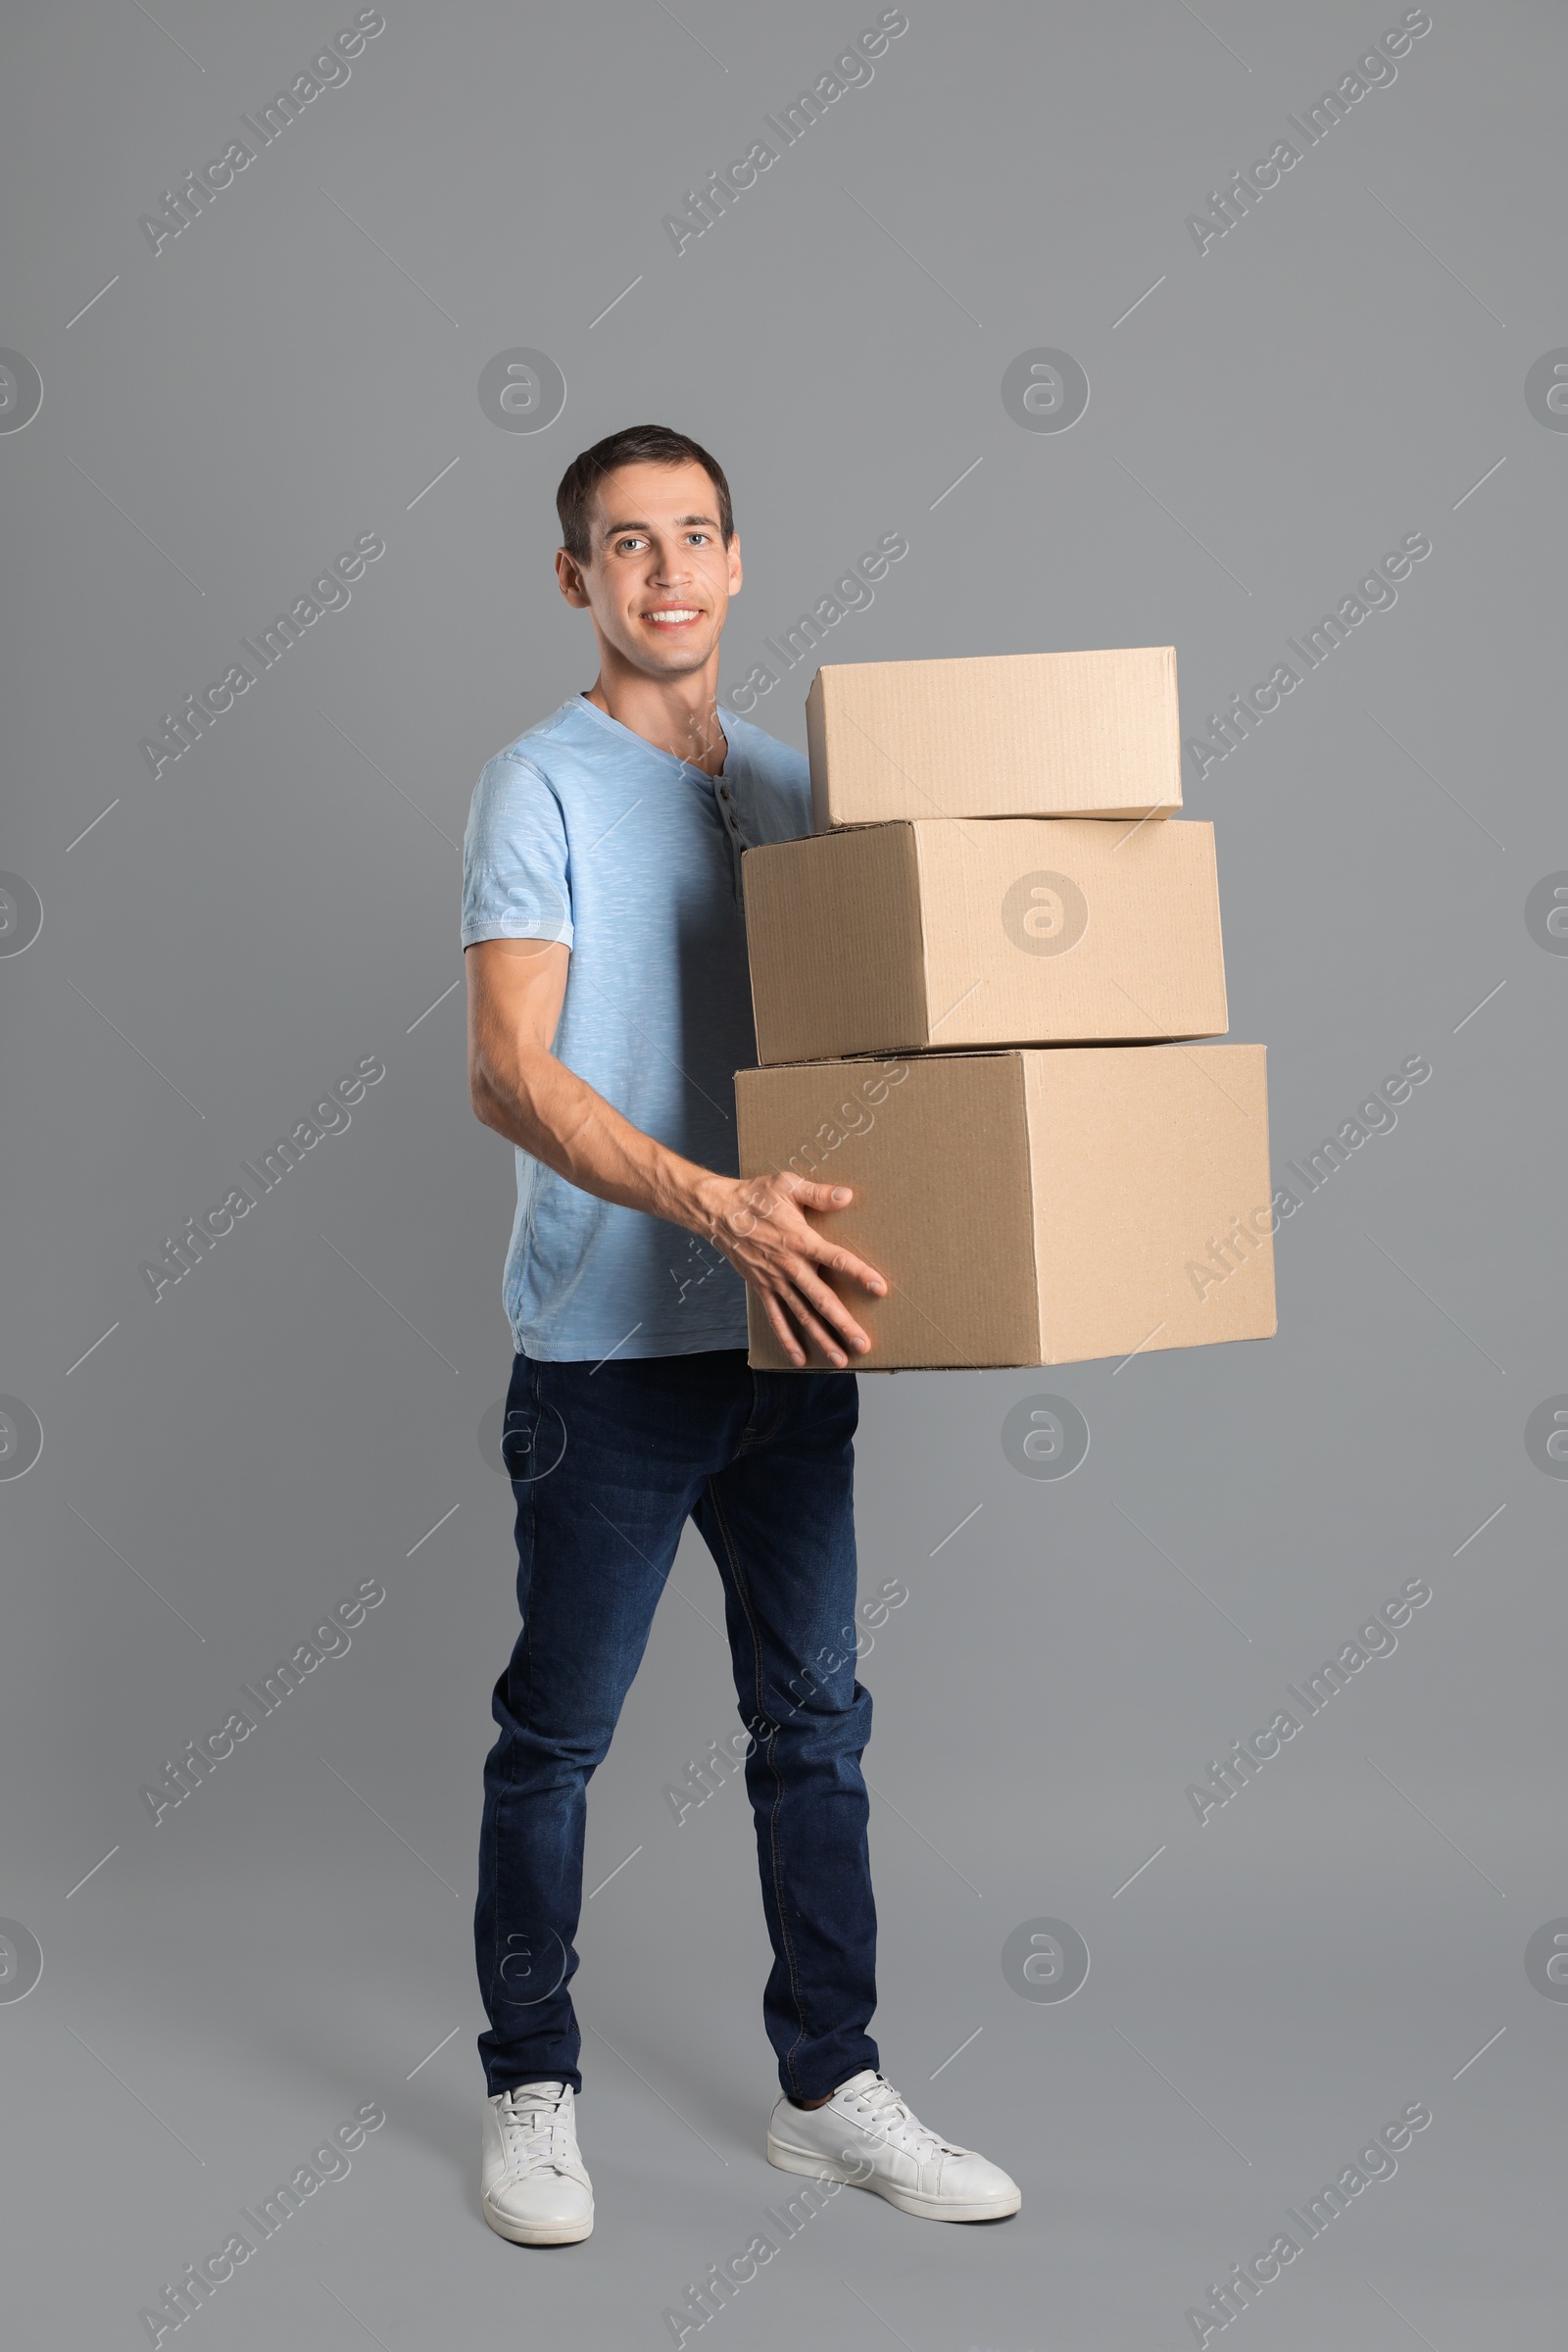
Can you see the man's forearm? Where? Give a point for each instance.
(763, 1226)
(560, 1119)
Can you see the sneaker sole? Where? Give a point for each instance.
(907, 2200)
(525, 2233)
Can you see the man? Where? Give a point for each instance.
(608, 1008)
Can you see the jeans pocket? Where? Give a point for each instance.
(533, 1434)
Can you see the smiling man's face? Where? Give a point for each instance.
(658, 578)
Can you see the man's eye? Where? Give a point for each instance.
(698, 538)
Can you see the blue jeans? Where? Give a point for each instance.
(607, 1462)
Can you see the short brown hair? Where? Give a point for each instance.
(634, 445)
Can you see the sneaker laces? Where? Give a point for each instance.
(895, 2120)
(536, 2127)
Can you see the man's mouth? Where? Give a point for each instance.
(673, 616)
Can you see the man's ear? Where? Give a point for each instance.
(569, 578)
(735, 573)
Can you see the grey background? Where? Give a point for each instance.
(1341, 369)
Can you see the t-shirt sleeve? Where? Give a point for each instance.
(516, 859)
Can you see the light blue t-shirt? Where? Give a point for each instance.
(582, 832)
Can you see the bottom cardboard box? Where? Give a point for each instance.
(1032, 1207)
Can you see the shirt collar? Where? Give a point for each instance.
(654, 751)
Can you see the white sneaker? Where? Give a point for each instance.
(532, 2184)
(869, 2136)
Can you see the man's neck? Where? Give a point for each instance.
(680, 715)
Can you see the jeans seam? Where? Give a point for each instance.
(744, 1597)
(533, 1533)
(527, 1636)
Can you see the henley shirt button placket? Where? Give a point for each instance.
(737, 838)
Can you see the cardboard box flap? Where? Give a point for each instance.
(1179, 1164)
(865, 1125)
(835, 940)
(1070, 929)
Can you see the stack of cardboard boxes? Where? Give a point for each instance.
(967, 987)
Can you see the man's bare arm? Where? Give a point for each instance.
(517, 988)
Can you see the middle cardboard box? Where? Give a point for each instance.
(943, 932)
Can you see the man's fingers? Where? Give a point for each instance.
(829, 1306)
(785, 1336)
(812, 1244)
(822, 1339)
(793, 1236)
(825, 1342)
(807, 1194)
(838, 1260)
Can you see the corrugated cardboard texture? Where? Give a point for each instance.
(939, 1163)
(1143, 1158)
(833, 933)
(1033, 1207)
(1091, 734)
(898, 937)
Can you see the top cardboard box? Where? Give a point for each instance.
(1092, 734)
